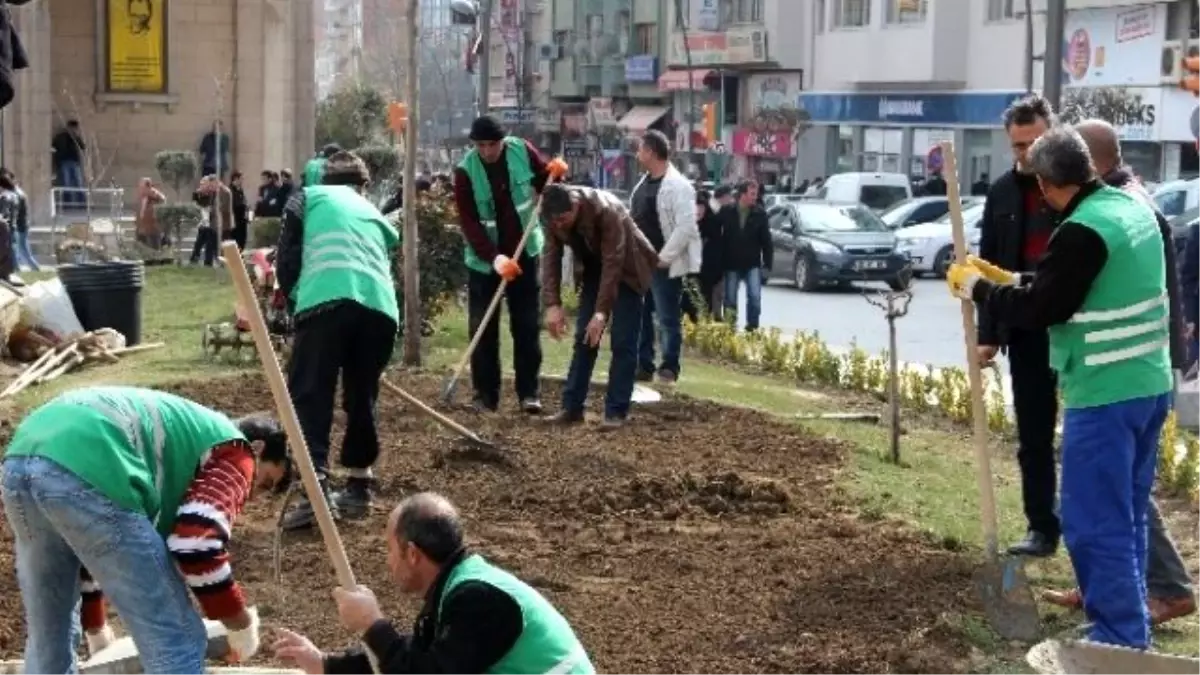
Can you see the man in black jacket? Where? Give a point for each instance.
(1168, 584)
(748, 251)
(1014, 231)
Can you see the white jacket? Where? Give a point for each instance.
(677, 216)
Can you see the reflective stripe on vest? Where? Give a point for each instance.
(341, 250)
(1107, 316)
(570, 663)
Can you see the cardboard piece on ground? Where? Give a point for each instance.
(643, 394)
(121, 657)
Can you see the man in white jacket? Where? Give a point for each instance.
(663, 205)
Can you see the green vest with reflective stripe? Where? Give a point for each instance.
(314, 172)
(1115, 347)
(546, 645)
(520, 182)
(348, 248)
(139, 447)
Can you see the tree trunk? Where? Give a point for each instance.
(412, 277)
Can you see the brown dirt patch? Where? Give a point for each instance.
(697, 539)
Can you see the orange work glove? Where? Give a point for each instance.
(506, 267)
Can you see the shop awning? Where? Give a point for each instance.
(678, 80)
(640, 117)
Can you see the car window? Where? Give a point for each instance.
(828, 218)
(897, 214)
(1171, 203)
(971, 213)
(775, 218)
(930, 211)
(822, 192)
(880, 197)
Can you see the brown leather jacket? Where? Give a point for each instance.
(610, 236)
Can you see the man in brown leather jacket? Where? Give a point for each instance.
(615, 262)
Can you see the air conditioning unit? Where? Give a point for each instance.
(550, 52)
(1172, 62)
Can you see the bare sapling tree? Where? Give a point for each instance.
(220, 84)
(412, 274)
(894, 305)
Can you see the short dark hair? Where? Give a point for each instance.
(285, 173)
(556, 200)
(745, 185)
(330, 150)
(1027, 110)
(234, 176)
(657, 143)
(72, 123)
(722, 191)
(345, 168)
(265, 428)
(429, 522)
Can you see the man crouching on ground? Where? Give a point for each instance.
(134, 486)
(617, 263)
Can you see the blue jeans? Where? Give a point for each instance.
(60, 523)
(1109, 457)
(753, 280)
(22, 254)
(664, 301)
(70, 175)
(623, 338)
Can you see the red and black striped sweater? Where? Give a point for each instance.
(199, 541)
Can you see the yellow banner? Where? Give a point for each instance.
(137, 49)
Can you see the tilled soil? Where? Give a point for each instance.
(697, 539)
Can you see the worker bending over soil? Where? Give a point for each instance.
(334, 263)
(127, 484)
(477, 618)
(617, 263)
(495, 186)
(1101, 290)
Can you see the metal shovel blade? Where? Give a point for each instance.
(1007, 599)
(449, 387)
(1085, 657)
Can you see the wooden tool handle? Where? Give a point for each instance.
(287, 415)
(987, 496)
(441, 419)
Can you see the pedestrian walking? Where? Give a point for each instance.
(495, 188)
(15, 207)
(334, 263)
(1100, 289)
(748, 252)
(1014, 230)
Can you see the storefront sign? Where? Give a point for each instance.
(954, 110)
(575, 148)
(510, 116)
(137, 46)
(548, 120)
(600, 111)
(1114, 46)
(737, 45)
(772, 91)
(574, 121)
(755, 144)
(706, 15)
(643, 68)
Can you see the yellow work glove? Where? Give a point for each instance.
(961, 278)
(993, 273)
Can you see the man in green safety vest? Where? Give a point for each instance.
(334, 263)
(477, 618)
(495, 189)
(108, 491)
(1101, 291)
(315, 167)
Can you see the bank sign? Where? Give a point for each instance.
(941, 109)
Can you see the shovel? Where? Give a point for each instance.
(1082, 656)
(1007, 599)
(472, 437)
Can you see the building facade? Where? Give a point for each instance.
(140, 84)
(339, 38)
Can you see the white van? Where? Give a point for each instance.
(874, 190)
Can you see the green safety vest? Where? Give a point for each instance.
(314, 172)
(1115, 346)
(520, 181)
(139, 447)
(348, 248)
(546, 644)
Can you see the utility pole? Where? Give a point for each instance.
(485, 56)
(1056, 19)
(1028, 46)
(691, 83)
(412, 275)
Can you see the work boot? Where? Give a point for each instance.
(612, 423)
(1072, 599)
(566, 418)
(644, 375)
(354, 500)
(479, 405)
(667, 377)
(1035, 545)
(531, 405)
(1163, 610)
(301, 516)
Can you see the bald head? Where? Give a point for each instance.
(430, 522)
(1103, 143)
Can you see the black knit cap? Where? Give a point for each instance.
(722, 191)
(487, 128)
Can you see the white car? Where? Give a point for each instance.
(930, 246)
(1175, 197)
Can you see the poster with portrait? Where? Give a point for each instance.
(137, 56)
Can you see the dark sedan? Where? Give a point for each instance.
(818, 242)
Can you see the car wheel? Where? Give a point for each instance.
(941, 262)
(804, 275)
(902, 281)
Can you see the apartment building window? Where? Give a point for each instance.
(851, 13)
(645, 38)
(1000, 10)
(749, 11)
(906, 11)
(819, 16)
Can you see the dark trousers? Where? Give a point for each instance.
(524, 322)
(353, 341)
(237, 235)
(691, 295)
(206, 241)
(624, 328)
(1035, 402)
(664, 303)
(708, 287)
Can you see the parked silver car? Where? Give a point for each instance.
(930, 246)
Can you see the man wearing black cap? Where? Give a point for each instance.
(495, 187)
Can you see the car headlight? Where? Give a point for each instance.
(824, 247)
(911, 242)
